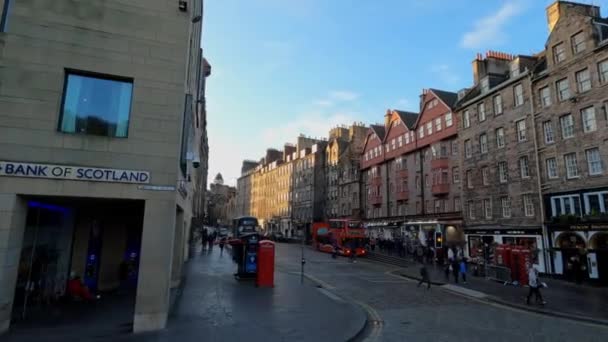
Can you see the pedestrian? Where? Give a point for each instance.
(446, 270)
(534, 284)
(222, 244)
(372, 243)
(463, 270)
(450, 254)
(424, 277)
(455, 270)
(204, 238)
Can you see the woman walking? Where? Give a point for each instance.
(535, 285)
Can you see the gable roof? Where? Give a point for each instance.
(408, 118)
(447, 97)
(379, 130)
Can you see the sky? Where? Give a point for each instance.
(285, 67)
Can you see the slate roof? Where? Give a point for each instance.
(379, 130)
(409, 118)
(448, 97)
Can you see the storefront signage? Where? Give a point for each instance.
(68, 172)
(506, 232)
(590, 226)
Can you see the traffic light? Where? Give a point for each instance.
(438, 240)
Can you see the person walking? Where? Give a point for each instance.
(463, 270)
(424, 277)
(222, 244)
(535, 285)
(446, 270)
(455, 270)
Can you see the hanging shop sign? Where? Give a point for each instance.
(69, 172)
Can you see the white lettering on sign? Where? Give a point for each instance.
(82, 173)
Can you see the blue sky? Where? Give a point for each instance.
(285, 67)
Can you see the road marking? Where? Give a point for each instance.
(464, 291)
(331, 295)
(319, 281)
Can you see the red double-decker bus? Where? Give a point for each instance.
(346, 235)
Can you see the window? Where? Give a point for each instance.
(466, 119)
(429, 128)
(437, 124)
(571, 165)
(400, 139)
(505, 203)
(427, 180)
(469, 179)
(455, 175)
(603, 70)
(563, 89)
(594, 161)
(518, 93)
(4, 15)
(545, 96)
(467, 149)
(448, 120)
(596, 202)
(502, 172)
(528, 206)
(485, 175)
(96, 105)
(524, 168)
(500, 137)
(483, 143)
(485, 85)
(559, 53)
(521, 130)
(407, 138)
(471, 206)
(578, 42)
(487, 206)
(551, 164)
(588, 118)
(393, 144)
(481, 112)
(566, 205)
(421, 132)
(454, 148)
(567, 124)
(497, 104)
(548, 130)
(456, 203)
(583, 81)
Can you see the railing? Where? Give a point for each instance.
(440, 163)
(403, 195)
(440, 189)
(375, 199)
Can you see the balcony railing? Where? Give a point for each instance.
(377, 180)
(440, 189)
(403, 195)
(440, 163)
(375, 199)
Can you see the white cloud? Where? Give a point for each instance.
(314, 124)
(489, 30)
(343, 95)
(323, 103)
(445, 74)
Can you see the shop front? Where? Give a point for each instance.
(580, 251)
(481, 243)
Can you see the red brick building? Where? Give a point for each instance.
(410, 172)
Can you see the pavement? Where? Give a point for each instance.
(403, 312)
(564, 299)
(213, 306)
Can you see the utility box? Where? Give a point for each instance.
(265, 276)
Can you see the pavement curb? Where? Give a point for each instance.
(366, 324)
(496, 300)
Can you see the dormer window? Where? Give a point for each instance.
(559, 53)
(578, 43)
(485, 85)
(514, 68)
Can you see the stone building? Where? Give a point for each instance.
(99, 135)
(500, 189)
(343, 152)
(243, 197)
(219, 202)
(570, 88)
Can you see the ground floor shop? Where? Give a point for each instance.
(76, 252)
(482, 244)
(579, 252)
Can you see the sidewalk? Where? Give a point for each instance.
(563, 299)
(215, 307)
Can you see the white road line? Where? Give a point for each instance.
(331, 295)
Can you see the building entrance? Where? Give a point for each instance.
(78, 256)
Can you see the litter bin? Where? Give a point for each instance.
(265, 276)
(245, 254)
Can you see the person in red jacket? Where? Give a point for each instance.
(77, 290)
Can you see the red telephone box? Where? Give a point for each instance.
(265, 277)
(503, 255)
(520, 258)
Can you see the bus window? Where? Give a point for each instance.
(354, 224)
